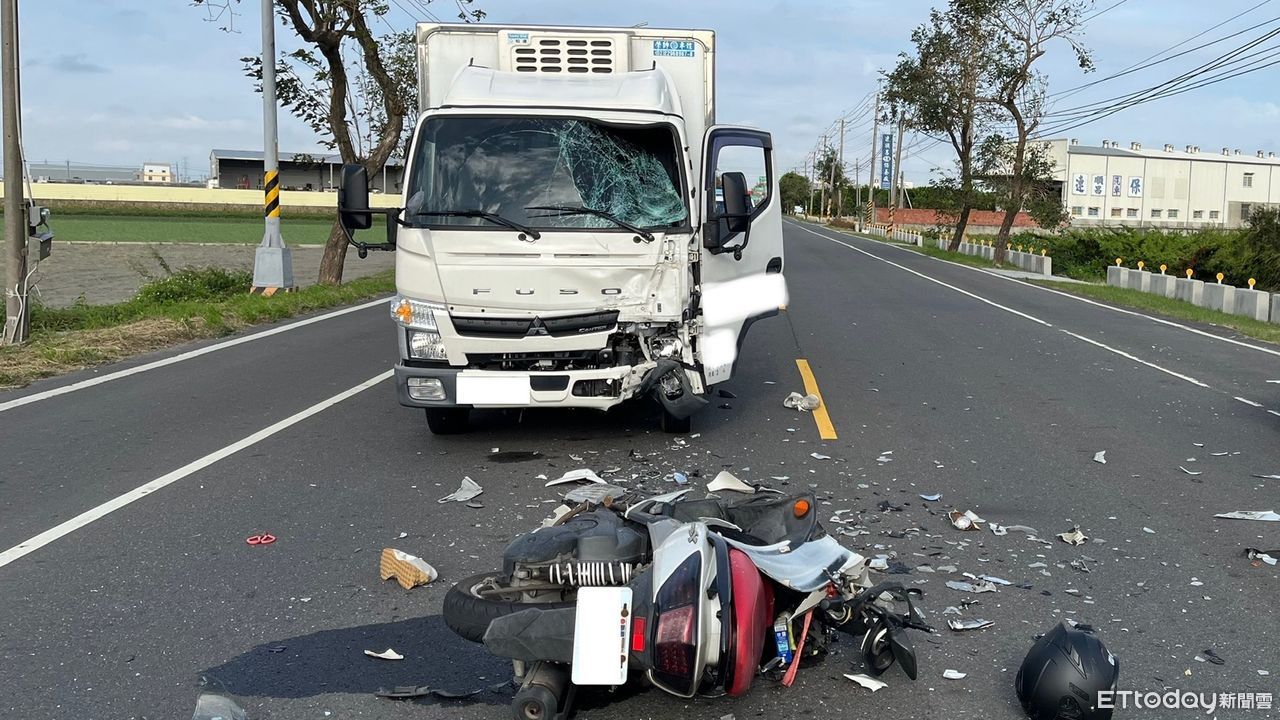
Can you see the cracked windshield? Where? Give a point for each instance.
(506, 165)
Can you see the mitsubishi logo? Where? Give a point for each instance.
(536, 328)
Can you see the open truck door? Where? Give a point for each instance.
(741, 265)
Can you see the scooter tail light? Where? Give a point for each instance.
(675, 649)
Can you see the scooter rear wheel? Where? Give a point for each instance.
(534, 703)
(468, 614)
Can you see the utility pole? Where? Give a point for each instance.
(16, 312)
(822, 188)
(840, 192)
(875, 139)
(857, 191)
(272, 262)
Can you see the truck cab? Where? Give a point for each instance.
(575, 230)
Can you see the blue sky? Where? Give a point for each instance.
(125, 81)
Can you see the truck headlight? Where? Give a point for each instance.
(415, 313)
(426, 345)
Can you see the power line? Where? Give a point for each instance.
(1144, 64)
(1105, 10)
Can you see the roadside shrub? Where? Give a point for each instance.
(195, 284)
(1085, 253)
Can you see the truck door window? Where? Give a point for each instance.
(750, 161)
(504, 165)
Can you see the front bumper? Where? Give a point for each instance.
(546, 389)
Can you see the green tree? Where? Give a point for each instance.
(1020, 33)
(831, 178)
(937, 86)
(794, 189)
(353, 88)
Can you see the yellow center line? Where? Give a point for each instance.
(826, 430)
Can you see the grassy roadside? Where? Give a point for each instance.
(1168, 307)
(67, 339)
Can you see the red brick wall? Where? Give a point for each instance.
(977, 218)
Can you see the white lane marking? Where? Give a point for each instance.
(45, 395)
(1124, 311)
(1136, 359)
(1019, 313)
(137, 493)
(1273, 412)
(926, 277)
(1247, 401)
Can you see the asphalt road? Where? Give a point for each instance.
(992, 392)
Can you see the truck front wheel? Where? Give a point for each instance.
(448, 421)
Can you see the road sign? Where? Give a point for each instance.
(886, 161)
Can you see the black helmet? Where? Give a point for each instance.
(1062, 674)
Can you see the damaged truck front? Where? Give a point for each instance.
(576, 231)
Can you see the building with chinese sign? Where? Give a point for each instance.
(1133, 186)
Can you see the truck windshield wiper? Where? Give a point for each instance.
(494, 218)
(582, 210)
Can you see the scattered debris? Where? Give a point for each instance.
(1263, 515)
(804, 403)
(576, 476)
(886, 506)
(966, 520)
(1006, 529)
(594, 494)
(1100, 457)
(1268, 477)
(261, 539)
(466, 491)
(387, 654)
(678, 478)
(1261, 556)
(964, 625)
(935, 497)
(408, 570)
(819, 456)
(994, 579)
(475, 505)
(1214, 657)
(1073, 537)
(953, 674)
(882, 459)
(1190, 472)
(867, 682)
(725, 480)
(726, 394)
(975, 588)
(1148, 531)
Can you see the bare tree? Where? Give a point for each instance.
(1020, 33)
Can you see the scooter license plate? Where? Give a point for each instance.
(601, 636)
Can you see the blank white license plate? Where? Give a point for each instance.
(493, 390)
(601, 636)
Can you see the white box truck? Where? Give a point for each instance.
(575, 229)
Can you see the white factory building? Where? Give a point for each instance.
(1164, 187)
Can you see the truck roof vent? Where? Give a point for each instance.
(565, 55)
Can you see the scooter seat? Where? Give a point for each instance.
(752, 619)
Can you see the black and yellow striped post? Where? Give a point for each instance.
(272, 262)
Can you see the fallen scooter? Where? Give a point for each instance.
(695, 596)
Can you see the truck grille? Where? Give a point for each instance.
(566, 326)
(566, 55)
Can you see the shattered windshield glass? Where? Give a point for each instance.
(505, 165)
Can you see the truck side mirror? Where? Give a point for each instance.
(353, 198)
(737, 211)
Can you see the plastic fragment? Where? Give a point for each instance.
(1268, 477)
(1214, 657)
(575, 476)
(819, 456)
(678, 478)
(725, 480)
(804, 403)
(1266, 556)
(1263, 515)
(466, 491)
(408, 570)
(1100, 457)
(934, 497)
(966, 520)
(976, 588)
(1006, 529)
(1190, 472)
(387, 654)
(953, 674)
(867, 682)
(964, 625)
(1073, 537)
(1149, 531)
(594, 494)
